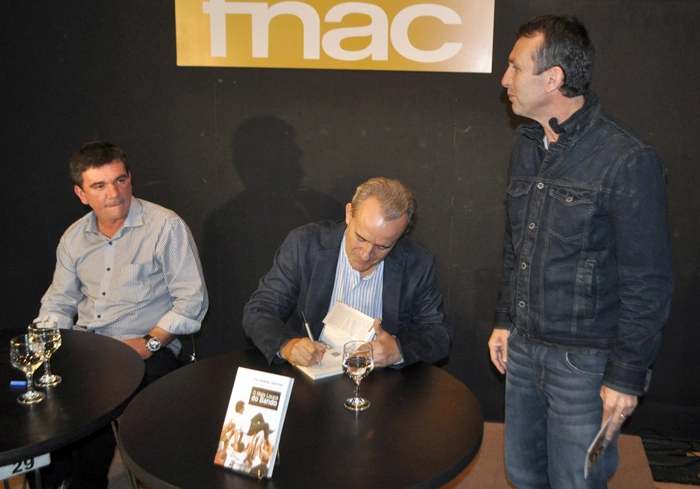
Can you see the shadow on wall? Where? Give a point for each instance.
(242, 236)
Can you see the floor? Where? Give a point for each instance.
(118, 479)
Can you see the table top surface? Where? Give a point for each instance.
(100, 376)
(424, 427)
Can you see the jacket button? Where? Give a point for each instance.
(540, 185)
(521, 303)
(531, 225)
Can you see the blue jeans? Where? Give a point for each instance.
(553, 412)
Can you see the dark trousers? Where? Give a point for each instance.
(86, 462)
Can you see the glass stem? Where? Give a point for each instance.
(357, 390)
(30, 383)
(47, 368)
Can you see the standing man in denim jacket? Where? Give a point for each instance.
(587, 278)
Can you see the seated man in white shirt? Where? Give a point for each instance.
(129, 270)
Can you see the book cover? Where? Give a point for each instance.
(342, 324)
(252, 427)
(599, 443)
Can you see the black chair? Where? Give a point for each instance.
(186, 355)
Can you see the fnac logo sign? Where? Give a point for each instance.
(439, 35)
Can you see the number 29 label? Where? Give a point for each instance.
(23, 466)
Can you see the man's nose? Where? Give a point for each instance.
(367, 251)
(112, 191)
(506, 80)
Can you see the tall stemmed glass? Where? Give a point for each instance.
(51, 336)
(358, 362)
(26, 354)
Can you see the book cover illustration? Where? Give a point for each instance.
(252, 427)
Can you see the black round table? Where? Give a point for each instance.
(423, 428)
(100, 376)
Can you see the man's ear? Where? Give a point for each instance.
(81, 195)
(555, 78)
(348, 213)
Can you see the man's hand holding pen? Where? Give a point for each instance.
(302, 351)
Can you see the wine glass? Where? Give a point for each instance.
(26, 354)
(358, 362)
(51, 336)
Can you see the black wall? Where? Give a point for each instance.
(245, 155)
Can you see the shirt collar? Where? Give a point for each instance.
(345, 263)
(133, 219)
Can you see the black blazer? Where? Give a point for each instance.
(302, 279)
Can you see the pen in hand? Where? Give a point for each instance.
(308, 331)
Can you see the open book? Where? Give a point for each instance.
(342, 324)
(253, 424)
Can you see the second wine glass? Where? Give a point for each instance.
(51, 336)
(26, 354)
(358, 362)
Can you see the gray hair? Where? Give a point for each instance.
(395, 199)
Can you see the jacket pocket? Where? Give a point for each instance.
(570, 212)
(518, 191)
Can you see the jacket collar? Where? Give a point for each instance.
(571, 129)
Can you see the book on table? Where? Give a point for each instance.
(253, 424)
(342, 324)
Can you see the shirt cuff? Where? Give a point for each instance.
(398, 344)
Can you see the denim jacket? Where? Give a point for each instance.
(587, 255)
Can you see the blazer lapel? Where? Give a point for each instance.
(391, 291)
(323, 279)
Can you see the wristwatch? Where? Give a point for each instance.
(152, 343)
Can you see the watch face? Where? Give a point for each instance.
(153, 344)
